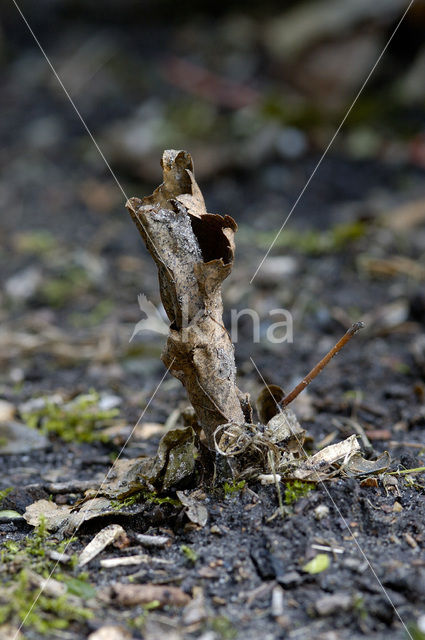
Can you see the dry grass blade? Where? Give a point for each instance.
(322, 364)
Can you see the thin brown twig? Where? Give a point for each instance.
(322, 364)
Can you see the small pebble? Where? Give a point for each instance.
(215, 529)
(63, 558)
(327, 605)
(290, 579)
(7, 411)
(397, 508)
(320, 512)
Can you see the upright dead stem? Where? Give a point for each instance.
(193, 251)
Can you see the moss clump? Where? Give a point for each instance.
(144, 496)
(139, 621)
(37, 543)
(121, 503)
(310, 242)
(223, 627)
(72, 282)
(295, 489)
(18, 591)
(33, 551)
(78, 420)
(4, 493)
(156, 499)
(232, 488)
(94, 317)
(38, 242)
(190, 554)
(47, 613)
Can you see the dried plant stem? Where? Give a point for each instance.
(322, 364)
(404, 472)
(193, 250)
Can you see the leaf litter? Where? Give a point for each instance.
(218, 437)
(194, 252)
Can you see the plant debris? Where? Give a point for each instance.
(72, 271)
(320, 563)
(194, 509)
(129, 595)
(129, 561)
(102, 539)
(194, 254)
(194, 251)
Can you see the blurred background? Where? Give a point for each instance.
(255, 91)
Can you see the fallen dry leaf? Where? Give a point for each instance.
(358, 466)
(66, 518)
(54, 515)
(195, 510)
(175, 458)
(315, 467)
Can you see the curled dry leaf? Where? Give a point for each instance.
(194, 252)
(194, 509)
(285, 430)
(267, 403)
(359, 466)
(175, 458)
(174, 461)
(315, 468)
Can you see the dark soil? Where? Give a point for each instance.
(90, 270)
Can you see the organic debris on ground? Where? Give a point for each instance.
(72, 327)
(200, 354)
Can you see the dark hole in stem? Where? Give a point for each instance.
(212, 241)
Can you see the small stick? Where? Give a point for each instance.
(322, 364)
(404, 472)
